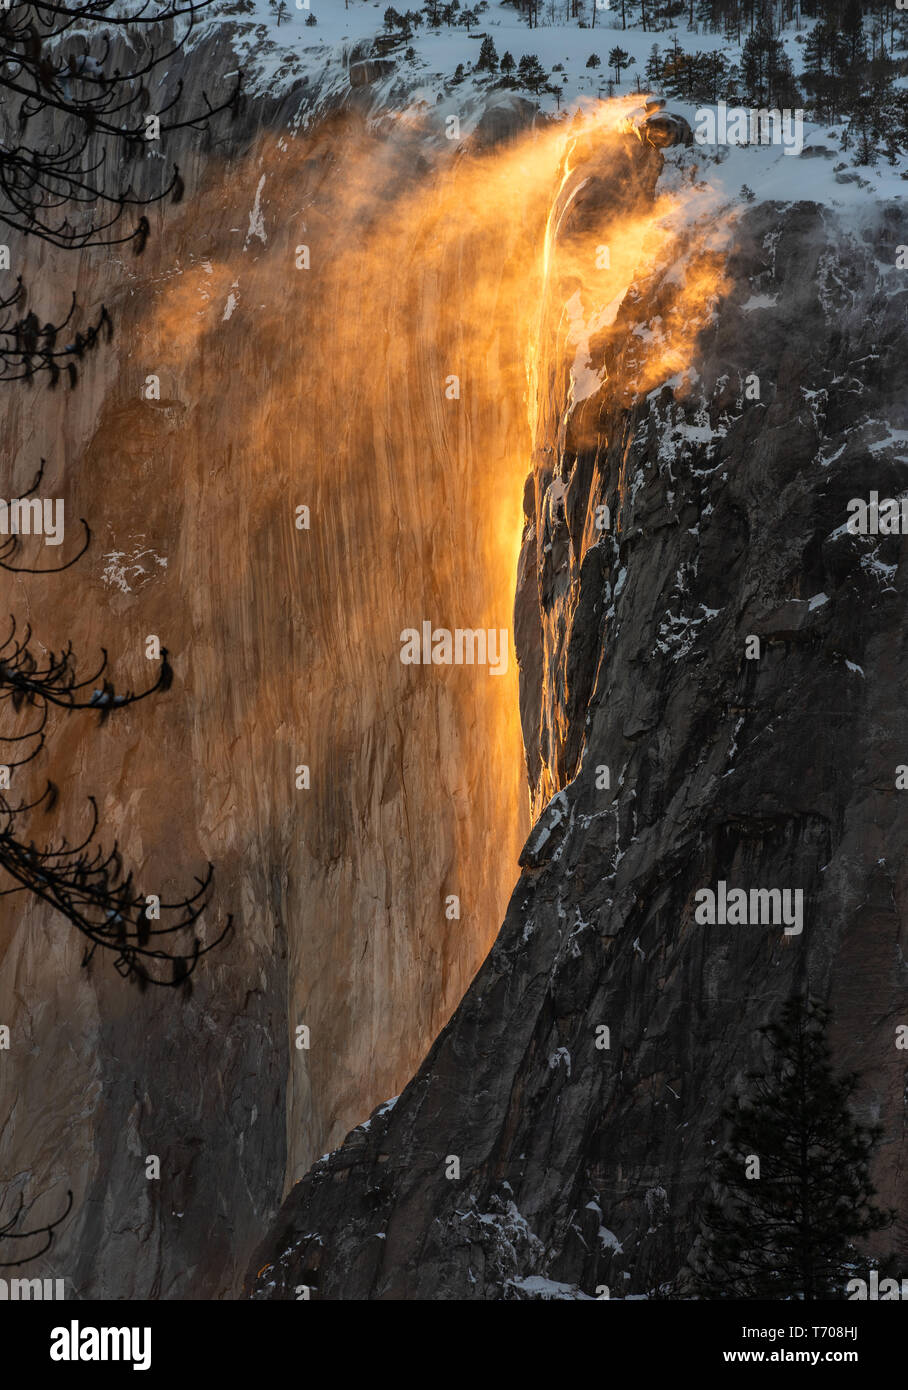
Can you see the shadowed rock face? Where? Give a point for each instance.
(581, 1166)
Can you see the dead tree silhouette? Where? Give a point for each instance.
(72, 141)
(73, 128)
(44, 1231)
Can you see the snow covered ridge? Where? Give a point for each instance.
(393, 58)
(765, 172)
(575, 49)
(438, 37)
(349, 54)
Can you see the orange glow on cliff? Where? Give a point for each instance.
(413, 319)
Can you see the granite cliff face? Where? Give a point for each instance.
(523, 1160)
(271, 396)
(659, 758)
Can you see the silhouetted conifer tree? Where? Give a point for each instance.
(796, 1191)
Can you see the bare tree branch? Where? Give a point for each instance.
(44, 1232)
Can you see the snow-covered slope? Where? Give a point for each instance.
(281, 52)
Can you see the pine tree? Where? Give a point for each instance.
(532, 74)
(865, 151)
(619, 59)
(825, 63)
(673, 69)
(766, 68)
(654, 66)
(507, 64)
(594, 61)
(488, 56)
(713, 76)
(853, 32)
(795, 1174)
(869, 124)
(701, 76)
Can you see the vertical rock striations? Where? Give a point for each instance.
(278, 387)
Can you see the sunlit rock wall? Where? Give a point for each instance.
(279, 387)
